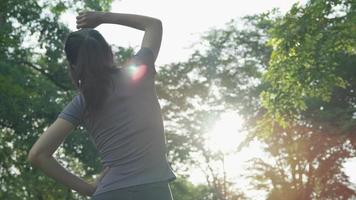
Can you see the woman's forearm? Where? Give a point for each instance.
(53, 169)
(131, 20)
(151, 26)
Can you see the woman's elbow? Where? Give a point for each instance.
(31, 157)
(159, 24)
(155, 24)
(34, 157)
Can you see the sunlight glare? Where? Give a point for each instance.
(226, 133)
(135, 72)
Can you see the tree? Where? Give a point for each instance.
(33, 74)
(300, 64)
(224, 76)
(300, 130)
(184, 190)
(314, 51)
(304, 163)
(310, 95)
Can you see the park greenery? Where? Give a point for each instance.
(292, 77)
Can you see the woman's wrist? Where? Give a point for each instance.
(87, 189)
(102, 17)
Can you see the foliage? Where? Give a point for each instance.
(33, 74)
(224, 76)
(291, 77)
(184, 190)
(310, 95)
(305, 163)
(312, 47)
(295, 126)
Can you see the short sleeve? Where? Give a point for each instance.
(145, 56)
(74, 110)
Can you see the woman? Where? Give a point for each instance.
(119, 109)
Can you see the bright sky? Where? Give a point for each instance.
(183, 23)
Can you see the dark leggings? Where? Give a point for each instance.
(151, 191)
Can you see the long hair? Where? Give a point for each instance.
(91, 63)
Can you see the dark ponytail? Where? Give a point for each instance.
(91, 63)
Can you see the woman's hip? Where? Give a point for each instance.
(150, 191)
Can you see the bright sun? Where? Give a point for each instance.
(226, 134)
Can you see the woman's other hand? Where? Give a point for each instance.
(98, 179)
(89, 19)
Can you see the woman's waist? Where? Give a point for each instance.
(144, 157)
(117, 176)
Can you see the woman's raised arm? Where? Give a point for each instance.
(152, 26)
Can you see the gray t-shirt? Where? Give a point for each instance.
(128, 130)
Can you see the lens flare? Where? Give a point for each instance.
(136, 72)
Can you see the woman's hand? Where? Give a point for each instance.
(97, 181)
(89, 19)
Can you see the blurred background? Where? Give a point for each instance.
(258, 96)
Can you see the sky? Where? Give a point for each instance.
(184, 21)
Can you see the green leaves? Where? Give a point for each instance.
(291, 77)
(33, 89)
(102, 5)
(306, 58)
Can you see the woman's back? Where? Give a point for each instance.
(120, 110)
(128, 130)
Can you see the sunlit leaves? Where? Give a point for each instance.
(308, 44)
(33, 89)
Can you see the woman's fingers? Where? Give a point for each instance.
(83, 23)
(79, 26)
(82, 20)
(106, 170)
(81, 17)
(83, 12)
(87, 20)
(101, 175)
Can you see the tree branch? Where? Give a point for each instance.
(43, 72)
